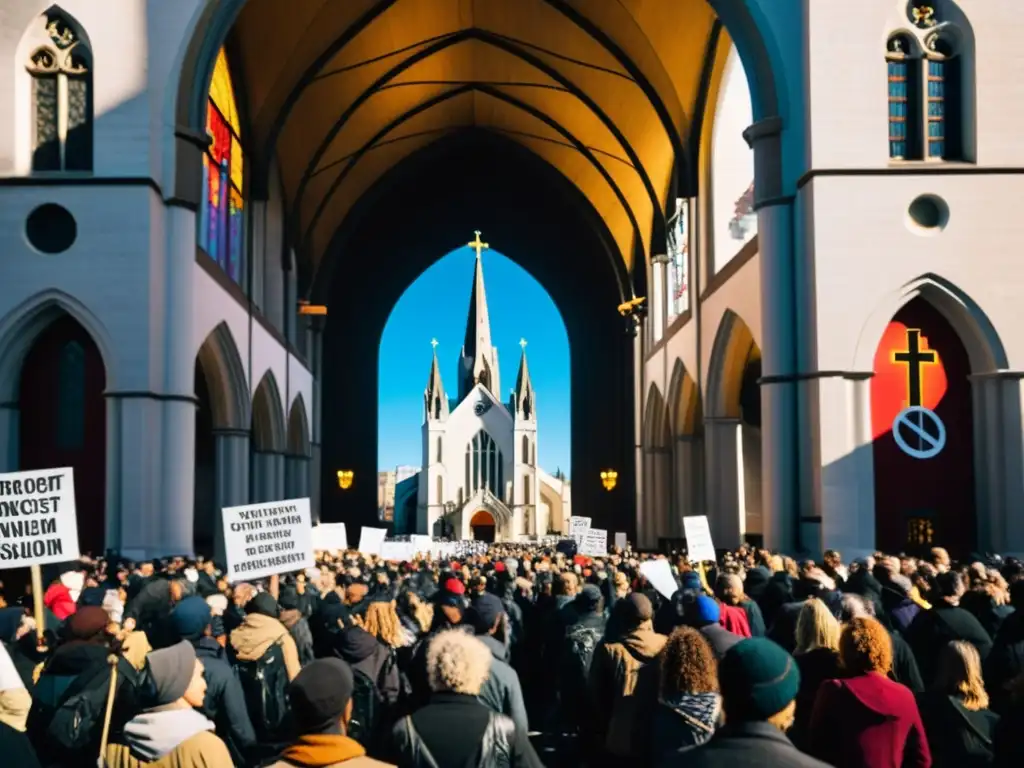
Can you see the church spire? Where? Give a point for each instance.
(479, 361)
(435, 401)
(523, 404)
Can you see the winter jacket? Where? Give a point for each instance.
(427, 738)
(623, 683)
(868, 720)
(501, 690)
(58, 599)
(754, 618)
(326, 751)
(815, 667)
(1006, 661)
(224, 703)
(150, 609)
(932, 630)
(684, 720)
(734, 619)
(744, 745)
(298, 626)
(368, 655)
(258, 632)
(16, 748)
(958, 737)
(176, 738)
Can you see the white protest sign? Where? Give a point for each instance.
(578, 526)
(266, 539)
(371, 540)
(595, 543)
(396, 551)
(331, 537)
(699, 546)
(38, 522)
(659, 573)
(420, 543)
(620, 540)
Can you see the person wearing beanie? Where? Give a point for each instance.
(321, 705)
(623, 677)
(170, 731)
(149, 609)
(261, 629)
(704, 614)
(759, 682)
(866, 718)
(224, 703)
(298, 626)
(455, 728)
(501, 691)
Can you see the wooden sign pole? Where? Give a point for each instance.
(37, 599)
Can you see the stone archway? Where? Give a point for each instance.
(733, 435)
(656, 511)
(269, 442)
(687, 427)
(297, 459)
(482, 526)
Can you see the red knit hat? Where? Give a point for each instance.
(455, 586)
(499, 567)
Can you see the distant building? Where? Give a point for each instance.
(386, 489)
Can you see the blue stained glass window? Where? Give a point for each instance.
(936, 108)
(71, 397)
(898, 109)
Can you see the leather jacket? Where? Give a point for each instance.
(496, 745)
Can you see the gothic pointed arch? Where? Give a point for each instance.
(298, 428)
(219, 361)
(734, 349)
(269, 433)
(683, 401)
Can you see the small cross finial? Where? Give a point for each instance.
(478, 245)
(433, 343)
(522, 343)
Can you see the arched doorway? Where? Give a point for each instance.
(268, 441)
(63, 419)
(924, 474)
(482, 526)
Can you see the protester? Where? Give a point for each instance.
(817, 657)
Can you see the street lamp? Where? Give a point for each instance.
(609, 479)
(345, 478)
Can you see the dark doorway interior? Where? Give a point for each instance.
(205, 487)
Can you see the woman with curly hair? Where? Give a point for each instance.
(867, 719)
(381, 621)
(689, 706)
(955, 712)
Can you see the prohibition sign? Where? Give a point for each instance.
(930, 445)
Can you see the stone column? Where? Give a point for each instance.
(231, 487)
(658, 307)
(639, 397)
(276, 476)
(785, 346)
(658, 493)
(999, 460)
(725, 481)
(10, 436)
(296, 484)
(316, 415)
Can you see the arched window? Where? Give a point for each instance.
(904, 99)
(945, 112)
(439, 446)
(440, 490)
(62, 99)
(220, 219)
(488, 469)
(526, 489)
(526, 450)
(71, 397)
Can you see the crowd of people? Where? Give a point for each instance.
(523, 656)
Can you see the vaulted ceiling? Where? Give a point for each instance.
(606, 91)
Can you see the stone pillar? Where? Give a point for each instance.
(639, 401)
(268, 476)
(658, 493)
(725, 481)
(296, 484)
(785, 347)
(232, 480)
(658, 306)
(316, 415)
(845, 464)
(135, 470)
(999, 460)
(689, 480)
(10, 436)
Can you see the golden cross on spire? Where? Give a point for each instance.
(522, 343)
(433, 343)
(478, 245)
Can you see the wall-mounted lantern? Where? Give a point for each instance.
(345, 478)
(609, 479)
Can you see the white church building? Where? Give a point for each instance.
(480, 477)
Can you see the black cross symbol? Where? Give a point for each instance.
(914, 357)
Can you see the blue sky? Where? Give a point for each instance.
(435, 306)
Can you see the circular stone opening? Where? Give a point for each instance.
(51, 228)
(928, 214)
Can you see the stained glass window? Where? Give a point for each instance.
(71, 397)
(904, 94)
(221, 218)
(488, 472)
(898, 109)
(936, 108)
(62, 109)
(679, 261)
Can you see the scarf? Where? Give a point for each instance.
(313, 750)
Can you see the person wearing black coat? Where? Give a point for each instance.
(16, 748)
(151, 607)
(22, 650)
(1006, 661)
(224, 703)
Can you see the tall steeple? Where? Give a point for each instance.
(479, 360)
(435, 402)
(524, 404)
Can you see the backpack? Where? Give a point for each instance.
(578, 653)
(367, 706)
(264, 685)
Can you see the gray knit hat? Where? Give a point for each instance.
(170, 673)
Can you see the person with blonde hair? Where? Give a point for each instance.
(817, 656)
(455, 728)
(959, 725)
(381, 621)
(867, 719)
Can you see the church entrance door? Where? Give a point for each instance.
(482, 526)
